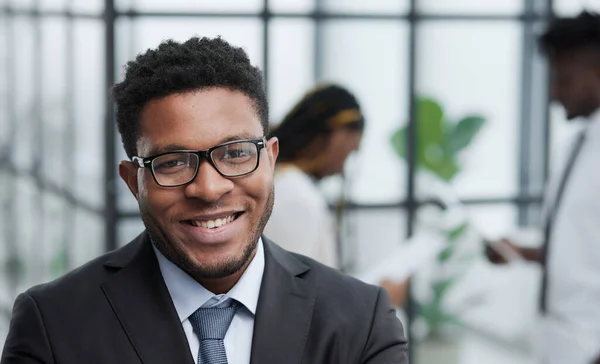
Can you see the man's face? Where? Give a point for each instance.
(575, 83)
(174, 215)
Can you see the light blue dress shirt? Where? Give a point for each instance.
(188, 295)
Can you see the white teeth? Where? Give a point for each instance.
(211, 224)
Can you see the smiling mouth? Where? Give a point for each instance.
(214, 223)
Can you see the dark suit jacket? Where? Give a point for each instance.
(116, 309)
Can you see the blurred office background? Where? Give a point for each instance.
(62, 203)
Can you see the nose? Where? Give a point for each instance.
(209, 185)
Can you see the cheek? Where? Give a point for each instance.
(589, 90)
(260, 183)
(582, 83)
(157, 200)
(335, 150)
(258, 187)
(576, 95)
(346, 151)
(145, 183)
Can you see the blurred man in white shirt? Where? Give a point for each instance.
(570, 252)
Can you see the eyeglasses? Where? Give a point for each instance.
(180, 167)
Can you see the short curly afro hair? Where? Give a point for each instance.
(172, 68)
(572, 34)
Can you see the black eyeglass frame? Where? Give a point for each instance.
(146, 162)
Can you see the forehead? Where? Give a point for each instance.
(197, 120)
(573, 60)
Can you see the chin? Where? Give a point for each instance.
(209, 255)
(218, 261)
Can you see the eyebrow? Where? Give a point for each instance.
(174, 147)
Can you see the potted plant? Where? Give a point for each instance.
(439, 142)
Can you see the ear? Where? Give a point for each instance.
(273, 150)
(128, 173)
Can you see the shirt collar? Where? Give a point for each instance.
(189, 295)
(592, 127)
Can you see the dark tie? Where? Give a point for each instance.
(211, 325)
(552, 215)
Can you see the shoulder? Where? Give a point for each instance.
(350, 310)
(336, 287)
(347, 310)
(336, 290)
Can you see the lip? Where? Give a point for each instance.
(217, 235)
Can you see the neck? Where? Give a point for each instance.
(316, 176)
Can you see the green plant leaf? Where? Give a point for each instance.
(453, 319)
(458, 231)
(399, 142)
(438, 140)
(430, 132)
(453, 236)
(446, 170)
(430, 117)
(436, 317)
(464, 132)
(431, 312)
(441, 287)
(446, 254)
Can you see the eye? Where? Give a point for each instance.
(237, 153)
(172, 163)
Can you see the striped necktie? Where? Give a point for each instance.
(211, 325)
(552, 215)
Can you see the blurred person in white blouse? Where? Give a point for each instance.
(315, 139)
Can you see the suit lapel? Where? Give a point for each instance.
(284, 310)
(141, 301)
